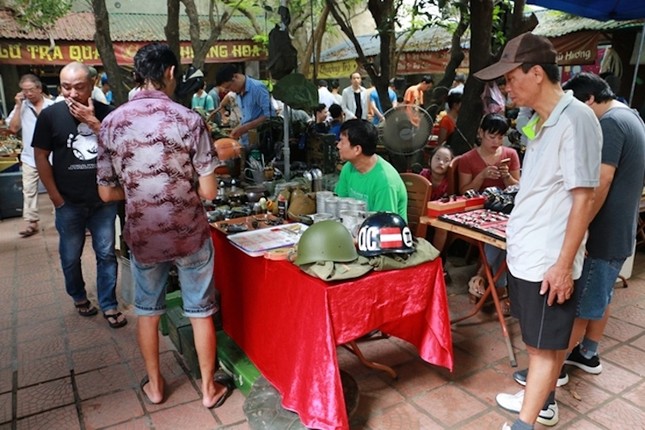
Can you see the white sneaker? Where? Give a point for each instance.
(506, 427)
(513, 403)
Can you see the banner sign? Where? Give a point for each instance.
(577, 48)
(410, 63)
(38, 53)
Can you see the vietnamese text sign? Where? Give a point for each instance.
(39, 53)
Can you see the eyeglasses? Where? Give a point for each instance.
(30, 90)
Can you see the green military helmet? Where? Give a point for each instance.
(326, 241)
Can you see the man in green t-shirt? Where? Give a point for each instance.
(366, 176)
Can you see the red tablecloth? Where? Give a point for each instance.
(289, 323)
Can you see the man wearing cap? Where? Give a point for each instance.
(547, 228)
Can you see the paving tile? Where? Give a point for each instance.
(376, 395)
(635, 314)
(192, 416)
(95, 358)
(40, 348)
(622, 330)
(489, 420)
(637, 395)
(613, 378)
(6, 355)
(6, 379)
(232, 411)
(486, 384)
(142, 423)
(33, 283)
(619, 411)
(639, 343)
(87, 339)
(33, 332)
(65, 418)
(417, 377)
(35, 301)
(41, 315)
(629, 357)
(583, 424)
(580, 395)
(402, 417)
(43, 369)
(45, 396)
(441, 405)
(5, 407)
(111, 409)
(103, 381)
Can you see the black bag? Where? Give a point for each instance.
(283, 57)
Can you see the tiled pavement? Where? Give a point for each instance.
(61, 371)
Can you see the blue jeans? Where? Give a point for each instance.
(195, 279)
(71, 222)
(597, 283)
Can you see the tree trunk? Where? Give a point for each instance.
(481, 18)
(457, 55)
(314, 42)
(172, 27)
(106, 51)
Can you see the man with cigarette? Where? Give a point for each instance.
(68, 131)
(547, 229)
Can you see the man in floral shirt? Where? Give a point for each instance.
(151, 150)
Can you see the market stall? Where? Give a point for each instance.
(289, 323)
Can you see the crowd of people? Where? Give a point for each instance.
(581, 182)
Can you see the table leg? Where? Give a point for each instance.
(354, 349)
(490, 289)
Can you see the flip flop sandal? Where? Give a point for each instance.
(85, 309)
(225, 380)
(476, 288)
(29, 231)
(116, 323)
(146, 399)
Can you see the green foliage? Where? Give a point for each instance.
(40, 14)
(261, 39)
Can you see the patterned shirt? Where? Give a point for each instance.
(155, 149)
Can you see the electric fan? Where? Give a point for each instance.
(405, 131)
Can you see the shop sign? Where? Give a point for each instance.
(334, 69)
(38, 53)
(418, 63)
(577, 48)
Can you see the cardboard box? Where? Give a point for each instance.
(233, 360)
(437, 208)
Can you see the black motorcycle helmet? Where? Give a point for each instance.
(384, 233)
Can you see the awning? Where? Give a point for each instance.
(18, 52)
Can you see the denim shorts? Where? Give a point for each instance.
(195, 278)
(597, 286)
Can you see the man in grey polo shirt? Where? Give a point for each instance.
(547, 228)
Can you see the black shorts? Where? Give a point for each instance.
(543, 326)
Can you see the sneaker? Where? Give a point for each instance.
(520, 377)
(513, 403)
(506, 427)
(590, 365)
